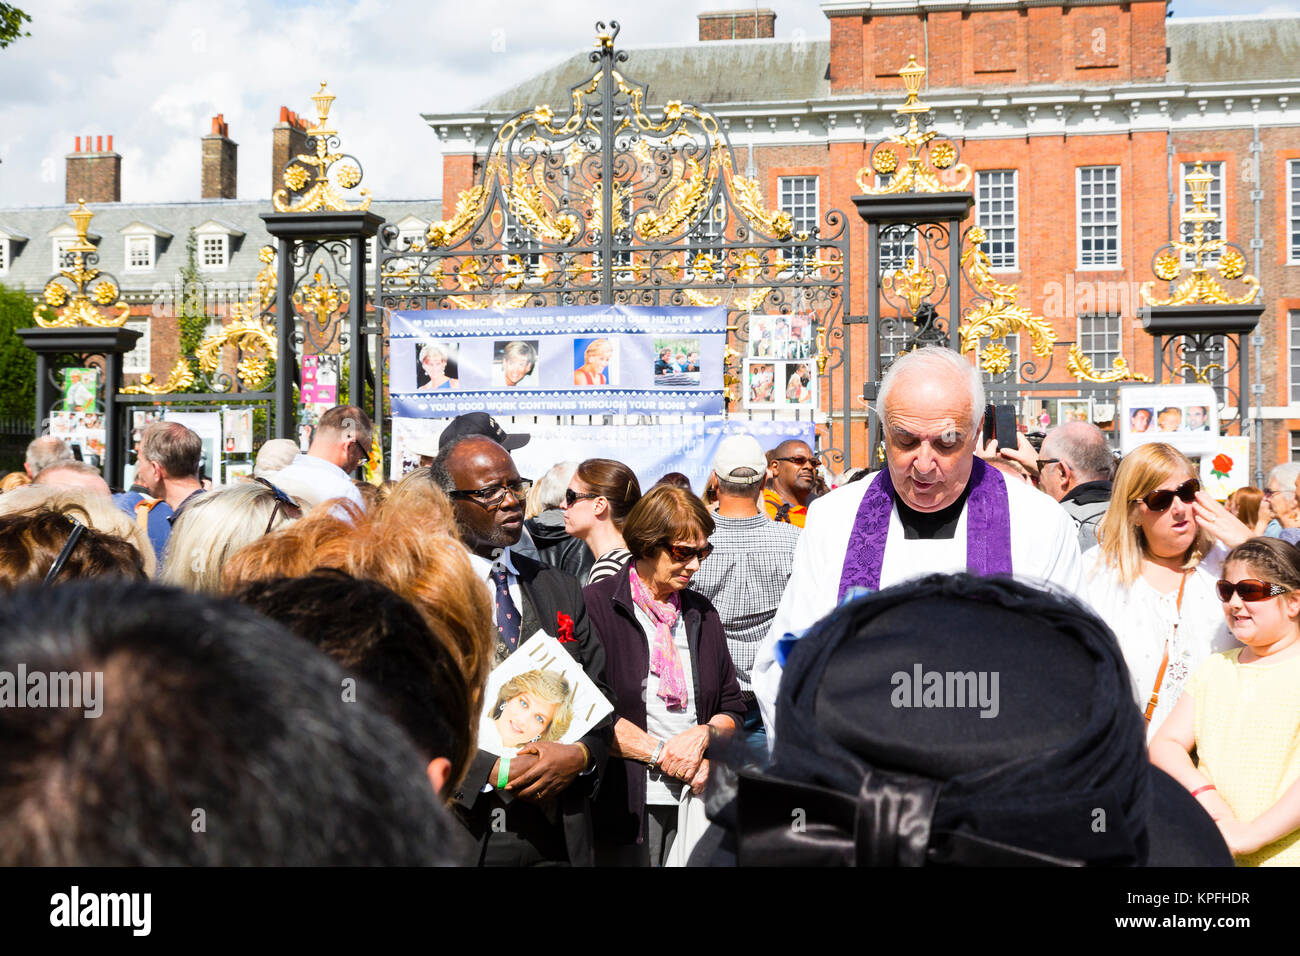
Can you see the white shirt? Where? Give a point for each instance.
(659, 720)
(1143, 619)
(316, 480)
(1044, 549)
(483, 568)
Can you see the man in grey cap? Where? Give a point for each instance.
(746, 575)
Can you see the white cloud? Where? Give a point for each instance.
(154, 72)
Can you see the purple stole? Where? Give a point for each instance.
(988, 529)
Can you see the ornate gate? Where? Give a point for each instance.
(601, 201)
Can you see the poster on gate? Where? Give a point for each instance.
(576, 360)
(1185, 416)
(651, 451)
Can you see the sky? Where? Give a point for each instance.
(152, 73)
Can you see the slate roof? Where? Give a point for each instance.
(31, 264)
(1233, 50)
(715, 72)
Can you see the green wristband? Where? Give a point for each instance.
(503, 774)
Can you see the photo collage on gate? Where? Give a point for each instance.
(780, 362)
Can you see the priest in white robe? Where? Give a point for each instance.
(936, 507)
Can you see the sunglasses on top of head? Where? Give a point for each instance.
(1162, 498)
(1249, 589)
(283, 503)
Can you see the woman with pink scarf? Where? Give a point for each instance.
(666, 659)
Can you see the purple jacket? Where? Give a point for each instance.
(619, 808)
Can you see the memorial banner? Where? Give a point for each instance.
(579, 360)
(651, 451)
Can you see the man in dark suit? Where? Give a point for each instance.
(542, 814)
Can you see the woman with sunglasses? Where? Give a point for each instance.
(667, 662)
(599, 498)
(1151, 577)
(1241, 712)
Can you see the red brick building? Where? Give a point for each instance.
(1080, 120)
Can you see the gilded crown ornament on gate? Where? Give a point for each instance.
(316, 182)
(925, 159)
(1200, 288)
(80, 293)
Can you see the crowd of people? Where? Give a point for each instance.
(954, 659)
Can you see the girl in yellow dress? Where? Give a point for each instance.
(1241, 711)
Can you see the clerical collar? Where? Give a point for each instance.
(931, 524)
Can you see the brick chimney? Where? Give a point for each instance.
(220, 155)
(737, 25)
(288, 139)
(93, 173)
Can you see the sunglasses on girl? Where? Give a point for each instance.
(572, 497)
(682, 554)
(1162, 498)
(1249, 589)
(283, 503)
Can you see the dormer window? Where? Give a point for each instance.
(139, 252)
(142, 242)
(217, 243)
(9, 243)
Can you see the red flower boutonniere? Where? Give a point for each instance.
(1221, 465)
(564, 628)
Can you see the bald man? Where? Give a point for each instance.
(936, 507)
(73, 474)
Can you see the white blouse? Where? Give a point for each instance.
(1144, 619)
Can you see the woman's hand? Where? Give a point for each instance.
(1242, 838)
(700, 779)
(683, 753)
(1265, 516)
(1219, 521)
(1215, 806)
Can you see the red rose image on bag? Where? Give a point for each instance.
(564, 628)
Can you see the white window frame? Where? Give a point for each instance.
(894, 253)
(204, 241)
(1100, 358)
(1295, 446)
(1118, 261)
(149, 243)
(61, 245)
(1214, 201)
(1293, 210)
(138, 360)
(708, 241)
(4, 256)
(996, 262)
(792, 197)
(1293, 356)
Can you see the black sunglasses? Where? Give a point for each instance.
(282, 503)
(683, 554)
(1162, 498)
(1249, 589)
(800, 460)
(572, 497)
(493, 495)
(78, 529)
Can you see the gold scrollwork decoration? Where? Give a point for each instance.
(999, 313)
(926, 153)
(1200, 288)
(80, 294)
(1081, 367)
(996, 359)
(309, 176)
(248, 334)
(322, 298)
(915, 284)
(1202, 374)
(469, 206)
(180, 378)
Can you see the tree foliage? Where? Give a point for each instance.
(192, 319)
(17, 361)
(11, 24)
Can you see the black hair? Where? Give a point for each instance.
(223, 740)
(381, 637)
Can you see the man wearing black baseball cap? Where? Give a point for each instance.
(480, 423)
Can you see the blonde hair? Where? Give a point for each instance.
(403, 546)
(417, 491)
(14, 480)
(91, 508)
(1142, 471)
(211, 528)
(431, 349)
(547, 685)
(599, 346)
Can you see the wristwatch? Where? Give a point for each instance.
(653, 762)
